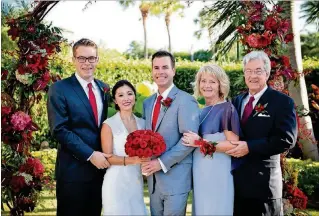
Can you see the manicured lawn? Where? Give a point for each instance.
(47, 205)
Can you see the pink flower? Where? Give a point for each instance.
(20, 121)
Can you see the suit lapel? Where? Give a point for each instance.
(81, 94)
(172, 95)
(104, 100)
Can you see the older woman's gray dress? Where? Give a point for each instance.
(213, 188)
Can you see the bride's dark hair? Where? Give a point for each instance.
(120, 84)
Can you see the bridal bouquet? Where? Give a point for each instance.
(206, 148)
(144, 144)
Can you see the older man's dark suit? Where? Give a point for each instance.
(258, 177)
(73, 124)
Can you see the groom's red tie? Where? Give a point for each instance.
(248, 110)
(156, 112)
(93, 102)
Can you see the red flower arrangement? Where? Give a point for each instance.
(260, 109)
(144, 144)
(206, 148)
(296, 197)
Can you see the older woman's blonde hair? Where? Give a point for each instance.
(220, 75)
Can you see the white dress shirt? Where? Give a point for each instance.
(97, 94)
(256, 96)
(164, 95)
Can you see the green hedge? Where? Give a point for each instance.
(136, 71)
(308, 175)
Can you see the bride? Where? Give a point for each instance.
(122, 190)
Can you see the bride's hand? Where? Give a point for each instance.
(138, 160)
(189, 139)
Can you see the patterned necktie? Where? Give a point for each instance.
(156, 111)
(248, 110)
(93, 103)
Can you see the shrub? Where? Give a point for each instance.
(308, 175)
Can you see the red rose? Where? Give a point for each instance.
(167, 102)
(139, 152)
(148, 152)
(285, 61)
(284, 26)
(143, 144)
(253, 40)
(273, 64)
(5, 110)
(4, 74)
(271, 24)
(157, 150)
(289, 38)
(17, 183)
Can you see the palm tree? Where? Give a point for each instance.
(311, 12)
(168, 7)
(298, 91)
(144, 7)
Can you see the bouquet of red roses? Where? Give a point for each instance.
(206, 148)
(144, 144)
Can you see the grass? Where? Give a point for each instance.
(47, 205)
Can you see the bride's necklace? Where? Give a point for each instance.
(129, 124)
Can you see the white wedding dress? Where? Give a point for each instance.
(122, 190)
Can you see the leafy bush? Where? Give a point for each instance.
(308, 175)
(47, 158)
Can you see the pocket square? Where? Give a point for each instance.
(263, 115)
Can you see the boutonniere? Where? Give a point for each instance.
(261, 109)
(105, 92)
(167, 103)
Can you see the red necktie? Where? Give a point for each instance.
(248, 110)
(93, 103)
(156, 111)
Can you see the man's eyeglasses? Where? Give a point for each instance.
(82, 59)
(258, 72)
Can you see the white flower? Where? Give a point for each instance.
(27, 177)
(24, 78)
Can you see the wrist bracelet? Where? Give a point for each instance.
(124, 161)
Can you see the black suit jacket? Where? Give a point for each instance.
(72, 123)
(259, 176)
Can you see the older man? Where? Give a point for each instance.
(268, 123)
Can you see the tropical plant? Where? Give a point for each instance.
(168, 7)
(310, 45)
(145, 7)
(311, 12)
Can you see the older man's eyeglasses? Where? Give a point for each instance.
(258, 72)
(82, 59)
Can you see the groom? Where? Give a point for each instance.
(77, 106)
(268, 123)
(170, 112)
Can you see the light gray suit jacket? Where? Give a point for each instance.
(181, 116)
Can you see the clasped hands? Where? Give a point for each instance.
(232, 148)
(99, 160)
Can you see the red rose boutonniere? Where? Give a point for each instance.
(260, 110)
(105, 91)
(167, 103)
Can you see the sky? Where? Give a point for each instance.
(112, 27)
(107, 23)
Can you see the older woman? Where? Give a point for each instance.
(213, 192)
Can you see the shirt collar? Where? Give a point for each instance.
(166, 92)
(84, 83)
(259, 94)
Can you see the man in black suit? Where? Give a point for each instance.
(268, 123)
(77, 106)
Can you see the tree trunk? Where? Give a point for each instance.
(298, 90)
(144, 17)
(167, 21)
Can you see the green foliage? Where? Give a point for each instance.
(136, 50)
(310, 45)
(47, 158)
(308, 174)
